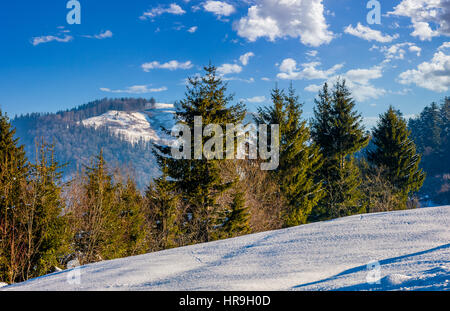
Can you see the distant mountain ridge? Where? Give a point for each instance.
(135, 126)
(124, 129)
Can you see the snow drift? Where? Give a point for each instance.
(402, 250)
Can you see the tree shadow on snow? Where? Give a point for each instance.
(431, 280)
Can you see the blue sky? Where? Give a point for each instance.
(148, 48)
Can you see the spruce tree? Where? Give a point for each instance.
(42, 217)
(427, 133)
(237, 218)
(199, 181)
(299, 159)
(132, 218)
(13, 174)
(164, 213)
(395, 152)
(100, 232)
(338, 132)
(445, 133)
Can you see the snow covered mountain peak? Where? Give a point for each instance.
(136, 126)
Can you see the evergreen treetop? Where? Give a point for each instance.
(395, 152)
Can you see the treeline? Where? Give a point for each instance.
(100, 213)
(88, 110)
(431, 133)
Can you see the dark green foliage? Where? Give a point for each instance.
(109, 217)
(135, 233)
(33, 231)
(396, 153)
(445, 132)
(199, 181)
(163, 205)
(299, 159)
(75, 144)
(41, 217)
(427, 129)
(430, 131)
(338, 132)
(13, 174)
(237, 218)
(379, 194)
(97, 235)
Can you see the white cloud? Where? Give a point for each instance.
(290, 71)
(363, 76)
(226, 69)
(368, 33)
(229, 68)
(245, 58)
(256, 99)
(172, 65)
(249, 80)
(171, 9)
(359, 83)
(100, 36)
(423, 31)
(136, 89)
(45, 39)
(397, 51)
(424, 14)
(193, 29)
(433, 75)
(219, 8)
(403, 92)
(415, 49)
(444, 45)
(273, 19)
(312, 53)
(313, 88)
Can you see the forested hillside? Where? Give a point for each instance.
(75, 145)
(431, 133)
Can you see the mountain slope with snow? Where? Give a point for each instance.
(412, 249)
(135, 126)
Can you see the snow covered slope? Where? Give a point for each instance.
(134, 126)
(412, 248)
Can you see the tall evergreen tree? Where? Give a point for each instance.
(164, 213)
(237, 218)
(299, 159)
(199, 180)
(445, 133)
(427, 132)
(395, 152)
(42, 217)
(100, 232)
(135, 233)
(338, 132)
(13, 174)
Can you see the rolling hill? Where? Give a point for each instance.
(411, 249)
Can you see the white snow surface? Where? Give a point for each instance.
(133, 126)
(411, 247)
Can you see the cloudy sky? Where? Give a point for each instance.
(148, 48)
